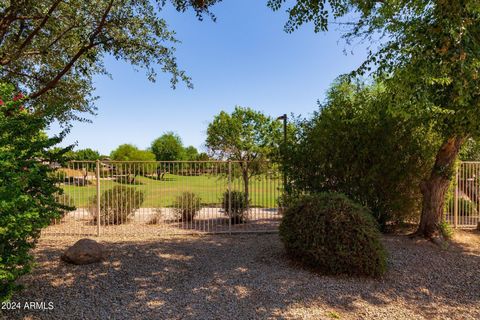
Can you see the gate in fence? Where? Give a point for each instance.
(462, 204)
(140, 198)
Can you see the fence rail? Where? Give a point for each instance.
(462, 205)
(138, 198)
(157, 198)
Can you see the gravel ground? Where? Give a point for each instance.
(248, 277)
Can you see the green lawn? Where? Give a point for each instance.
(264, 191)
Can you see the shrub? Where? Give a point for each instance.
(116, 204)
(186, 206)
(357, 146)
(332, 234)
(27, 186)
(446, 230)
(237, 212)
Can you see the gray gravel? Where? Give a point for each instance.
(248, 277)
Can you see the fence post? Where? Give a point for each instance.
(455, 199)
(97, 176)
(229, 197)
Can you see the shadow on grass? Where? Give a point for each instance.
(246, 277)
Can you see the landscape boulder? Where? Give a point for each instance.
(84, 251)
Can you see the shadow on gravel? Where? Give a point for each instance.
(246, 277)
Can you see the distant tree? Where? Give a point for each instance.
(168, 147)
(470, 151)
(203, 156)
(86, 155)
(247, 136)
(129, 152)
(191, 153)
(353, 145)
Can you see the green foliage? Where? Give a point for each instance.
(168, 147)
(116, 204)
(237, 210)
(27, 186)
(355, 145)
(446, 230)
(243, 135)
(203, 157)
(191, 153)
(128, 171)
(332, 234)
(247, 136)
(186, 205)
(86, 155)
(470, 151)
(128, 152)
(54, 48)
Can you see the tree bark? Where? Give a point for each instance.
(435, 187)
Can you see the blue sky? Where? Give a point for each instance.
(244, 58)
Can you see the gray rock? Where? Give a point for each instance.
(84, 251)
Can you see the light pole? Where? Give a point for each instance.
(284, 118)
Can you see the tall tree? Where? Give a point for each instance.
(28, 189)
(51, 49)
(245, 135)
(429, 52)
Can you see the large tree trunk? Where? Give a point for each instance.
(435, 187)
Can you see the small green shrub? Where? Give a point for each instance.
(332, 234)
(446, 230)
(116, 204)
(186, 206)
(237, 212)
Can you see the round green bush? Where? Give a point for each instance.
(332, 234)
(186, 206)
(237, 211)
(116, 204)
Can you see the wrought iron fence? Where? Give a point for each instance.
(138, 198)
(462, 205)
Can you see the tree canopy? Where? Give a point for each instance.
(129, 152)
(247, 136)
(243, 135)
(51, 49)
(168, 147)
(87, 154)
(427, 54)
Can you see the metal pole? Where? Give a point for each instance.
(97, 175)
(284, 117)
(230, 197)
(455, 199)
